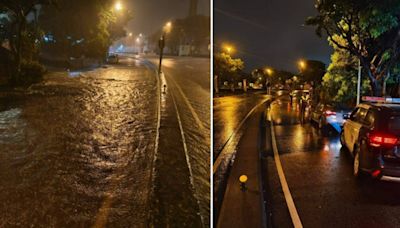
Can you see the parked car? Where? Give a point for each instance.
(325, 116)
(113, 59)
(371, 135)
(321, 113)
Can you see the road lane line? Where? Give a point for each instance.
(219, 159)
(187, 157)
(285, 187)
(194, 113)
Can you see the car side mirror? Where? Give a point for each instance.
(346, 116)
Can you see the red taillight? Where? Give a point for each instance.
(378, 140)
(330, 113)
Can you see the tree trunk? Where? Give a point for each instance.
(376, 88)
(384, 84)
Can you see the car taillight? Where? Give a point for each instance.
(330, 113)
(378, 140)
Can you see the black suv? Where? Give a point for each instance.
(371, 134)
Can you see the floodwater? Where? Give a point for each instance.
(79, 150)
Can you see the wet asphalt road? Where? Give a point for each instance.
(228, 112)
(81, 150)
(188, 86)
(320, 179)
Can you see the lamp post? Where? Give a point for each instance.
(161, 43)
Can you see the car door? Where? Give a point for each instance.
(352, 127)
(366, 159)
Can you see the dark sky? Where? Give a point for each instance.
(150, 15)
(269, 32)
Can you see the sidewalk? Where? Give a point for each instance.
(245, 209)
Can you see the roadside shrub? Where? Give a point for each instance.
(31, 72)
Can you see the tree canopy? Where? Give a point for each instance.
(340, 81)
(22, 31)
(367, 29)
(227, 68)
(88, 27)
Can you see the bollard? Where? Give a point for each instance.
(243, 180)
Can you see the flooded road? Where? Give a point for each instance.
(81, 150)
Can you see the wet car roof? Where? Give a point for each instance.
(387, 106)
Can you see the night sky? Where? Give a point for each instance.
(150, 15)
(269, 32)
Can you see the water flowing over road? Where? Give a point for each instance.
(82, 149)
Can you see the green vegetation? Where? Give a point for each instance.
(22, 34)
(82, 28)
(62, 28)
(340, 81)
(227, 68)
(367, 30)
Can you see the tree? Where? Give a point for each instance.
(88, 27)
(369, 30)
(340, 81)
(260, 76)
(227, 68)
(20, 35)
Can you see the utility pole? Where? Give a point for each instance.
(359, 82)
(161, 45)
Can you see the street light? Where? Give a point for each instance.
(161, 43)
(269, 71)
(118, 6)
(302, 64)
(167, 27)
(228, 48)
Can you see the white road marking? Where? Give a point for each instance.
(187, 156)
(194, 114)
(288, 196)
(217, 163)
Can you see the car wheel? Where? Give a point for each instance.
(356, 162)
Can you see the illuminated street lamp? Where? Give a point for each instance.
(161, 43)
(118, 6)
(167, 27)
(228, 49)
(269, 71)
(302, 64)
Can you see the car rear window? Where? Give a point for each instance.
(394, 123)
